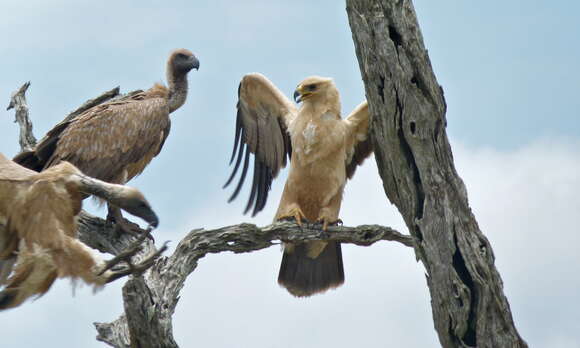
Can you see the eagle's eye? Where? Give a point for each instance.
(181, 56)
(311, 87)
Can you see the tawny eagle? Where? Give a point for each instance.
(116, 140)
(324, 150)
(38, 236)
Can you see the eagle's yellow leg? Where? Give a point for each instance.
(329, 214)
(295, 213)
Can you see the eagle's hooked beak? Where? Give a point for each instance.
(297, 96)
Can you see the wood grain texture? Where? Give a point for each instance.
(415, 162)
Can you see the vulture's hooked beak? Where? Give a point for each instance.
(151, 218)
(144, 211)
(194, 62)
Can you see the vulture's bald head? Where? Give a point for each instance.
(132, 201)
(181, 61)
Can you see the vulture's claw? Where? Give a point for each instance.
(126, 226)
(121, 225)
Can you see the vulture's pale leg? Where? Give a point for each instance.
(122, 224)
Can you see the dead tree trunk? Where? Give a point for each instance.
(416, 165)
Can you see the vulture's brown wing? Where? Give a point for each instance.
(111, 137)
(264, 114)
(9, 170)
(359, 145)
(11, 176)
(31, 210)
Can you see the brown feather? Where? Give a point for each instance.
(39, 226)
(263, 116)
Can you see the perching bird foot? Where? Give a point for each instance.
(125, 256)
(296, 215)
(325, 223)
(123, 225)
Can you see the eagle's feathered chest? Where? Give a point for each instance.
(314, 138)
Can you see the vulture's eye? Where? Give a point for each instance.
(311, 87)
(181, 55)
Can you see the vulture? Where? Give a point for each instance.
(324, 151)
(38, 238)
(116, 140)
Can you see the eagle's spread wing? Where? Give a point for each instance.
(359, 146)
(264, 114)
(107, 139)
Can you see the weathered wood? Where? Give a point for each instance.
(18, 103)
(416, 165)
(151, 300)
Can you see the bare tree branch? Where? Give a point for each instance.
(151, 301)
(18, 103)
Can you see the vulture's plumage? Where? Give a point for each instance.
(116, 140)
(38, 238)
(325, 151)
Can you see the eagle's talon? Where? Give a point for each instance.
(296, 215)
(325, 223)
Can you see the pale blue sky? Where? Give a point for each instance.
(510, 79)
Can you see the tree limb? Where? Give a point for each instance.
(151, 300)
(18, 103)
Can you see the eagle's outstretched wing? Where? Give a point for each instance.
(359, 146)
(264, 114)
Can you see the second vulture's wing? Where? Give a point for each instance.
(264, 114)
(359, 145)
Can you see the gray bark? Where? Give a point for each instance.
(18, 103)
(416, 165)
(151, 300)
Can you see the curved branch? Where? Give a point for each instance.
(151, 301)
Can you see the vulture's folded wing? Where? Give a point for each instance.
(264, 114)
(107, 138)
(359, 145)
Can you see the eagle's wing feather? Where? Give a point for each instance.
(263, 117)
(359, 145)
